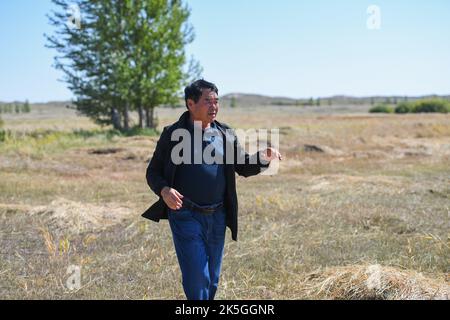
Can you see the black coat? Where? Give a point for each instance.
(161, 172)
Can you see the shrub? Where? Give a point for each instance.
(404, 107)
(381, 108)
(2, 132)
(432, 105)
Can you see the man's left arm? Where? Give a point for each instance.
(249, 165)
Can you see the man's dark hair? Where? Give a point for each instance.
(194, 90)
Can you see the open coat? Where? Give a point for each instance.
(161, 171)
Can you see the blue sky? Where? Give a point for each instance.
(278, 48)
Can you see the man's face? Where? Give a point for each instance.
(206, 108)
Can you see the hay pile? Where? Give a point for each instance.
(374, 282)
(76, 217)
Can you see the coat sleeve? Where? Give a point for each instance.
(155, 169)
(247, 165)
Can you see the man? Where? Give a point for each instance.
(199, 197)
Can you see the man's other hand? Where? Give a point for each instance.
(172, 198)
(270, 154)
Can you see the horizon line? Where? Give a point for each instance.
(273, 97)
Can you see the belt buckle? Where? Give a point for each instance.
(208, 210)
(193, 206)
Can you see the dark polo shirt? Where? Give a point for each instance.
(203, 183)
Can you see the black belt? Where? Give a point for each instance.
(202, 209)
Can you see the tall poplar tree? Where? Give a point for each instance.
(119, 56)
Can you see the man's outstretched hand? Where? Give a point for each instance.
(172, 198)
(270, 154)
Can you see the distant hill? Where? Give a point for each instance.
(242, 99)
(253, 100)
(61, 104)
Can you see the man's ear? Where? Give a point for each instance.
(190, 104)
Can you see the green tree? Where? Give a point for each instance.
(233, 102)
(17, 107)
(2, 132)
(26, 107)
(127, 55)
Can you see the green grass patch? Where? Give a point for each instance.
(40, 142)
(136, 131)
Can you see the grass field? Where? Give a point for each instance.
(373, 195)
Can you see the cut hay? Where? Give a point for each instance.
(374, 282)
(76, 217)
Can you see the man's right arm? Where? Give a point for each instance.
(155, 175)
(155, 169)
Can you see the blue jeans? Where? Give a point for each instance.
(199, 240)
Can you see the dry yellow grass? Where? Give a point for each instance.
(378, 194)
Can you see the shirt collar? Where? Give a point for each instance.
(190, 125)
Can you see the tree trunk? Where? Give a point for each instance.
(126, 118)
(141, 117)
(115, 119)
(149, 114)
